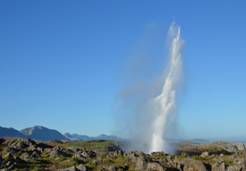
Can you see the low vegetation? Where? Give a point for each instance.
(22, 154)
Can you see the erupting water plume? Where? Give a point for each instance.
(165, 102)
(149, 108)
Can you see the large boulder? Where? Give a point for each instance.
(193, 165)
(139, 159)
(143, 162)
(218, 167)
(234, 168)
(204, 154)
(154, 166)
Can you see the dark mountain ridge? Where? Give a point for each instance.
(10, 132)
(42, 133)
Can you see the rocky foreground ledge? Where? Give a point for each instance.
(21, 154)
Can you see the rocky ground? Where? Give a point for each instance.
(21, 154)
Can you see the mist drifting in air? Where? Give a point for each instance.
(150, 110)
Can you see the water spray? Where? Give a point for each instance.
(165, 102)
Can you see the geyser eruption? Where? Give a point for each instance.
(165, 103)
(148, 109)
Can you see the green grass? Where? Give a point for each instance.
(96, 145)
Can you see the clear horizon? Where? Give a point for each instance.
(63, 65)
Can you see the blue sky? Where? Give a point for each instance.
(63, 63)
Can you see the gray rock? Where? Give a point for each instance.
(81, 167)
(204, 154)
(193, 165)
(88, 154)
(78, 155)
(84, 154)
(143, 162)
(10, 164)
(92, 154)
(74, 168)
(19, 145)
(239, 146)
(43, 146)
(139, 159)
(140, 163)
(218, 167)
(114, 148)
(154, 166)
(116, 153)
(234, 168)
(112, 168)
(25, 156)
(115, 168)
(68, 169)
(35, 154)
(58, 152)
(231, 148)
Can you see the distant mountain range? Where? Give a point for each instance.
(45, 134)
(10, 132)
(86, 138)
